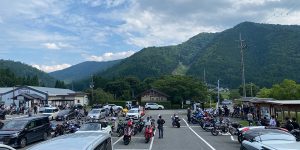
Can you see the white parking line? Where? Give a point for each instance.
(212, 148)
(232, 138)
(151, 144)
(130, 149)
(118, 140)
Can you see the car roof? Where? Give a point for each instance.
(78, 141)
(259, 131)
(283, 146)
(31, 118)
(134, 109)
(51, 108)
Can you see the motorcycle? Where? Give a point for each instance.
(71, 127)
(59, 130)
(219, 129)
(196, 118)
(176, 121)
(296, 134)
(148, 133)
(120, 129)
(127, 135)
(141, 125)
(208, 124)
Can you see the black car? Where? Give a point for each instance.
(22, 131)
(66, 114)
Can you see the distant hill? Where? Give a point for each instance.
(272, 54)
(23, 70)
(82, 70)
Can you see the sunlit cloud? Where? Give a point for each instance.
(108, 56)
(47, 69)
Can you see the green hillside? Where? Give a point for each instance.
(272, 54)
(23, 70)
(156, 61)
(82, 70)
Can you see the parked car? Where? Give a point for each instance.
(42, 109)
(269, 139)
(66, 114)
(51, 112)
(2, 114)
(95, 126)
(6, 147)
(153, 106)
(97, 113)
(77, 106)
(133, 113)
(22, 131)
(226, 102)
(114, 106)
(77, 141)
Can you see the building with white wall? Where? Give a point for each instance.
(30, 95)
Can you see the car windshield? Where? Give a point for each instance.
(95, 111)
(275, 136)
(133, 111)
(49, 111)
(90, 127)
(14, 125)
(63, 112)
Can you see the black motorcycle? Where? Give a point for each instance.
(59, 130)
(296, 134)
(176, 121)
(120, 129)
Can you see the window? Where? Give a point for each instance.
(105, 145)
(31, 125)
(78, 101)
(38, 123)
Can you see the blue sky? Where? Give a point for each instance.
(55, 34)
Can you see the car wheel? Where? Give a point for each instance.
(45, 136)
(23, 142)
(148, 108)
(159, 108)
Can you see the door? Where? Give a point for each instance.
(31, 132)
(102, 113)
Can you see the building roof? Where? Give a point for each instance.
(159, 92)
(53, 91)
(286, 102)
(5, 89)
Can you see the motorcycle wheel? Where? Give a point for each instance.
(207, 129)
(178, 125)
(240, 138)
(147, 139)
(126, 140)
(120, 133)
(214, 132)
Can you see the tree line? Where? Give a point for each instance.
(9, 79)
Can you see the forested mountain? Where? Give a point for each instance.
(23, 74)
(82, 70)
(272, 54)
(156, 61)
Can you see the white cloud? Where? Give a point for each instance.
(46, 68)
(108, 56)
(51, 46)
(106, 3)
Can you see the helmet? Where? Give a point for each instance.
(129, 123)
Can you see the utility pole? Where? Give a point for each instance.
(251, 89)
(204, 76)
(218, 94)
(242, 46)
(92, 87)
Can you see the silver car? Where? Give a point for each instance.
(97, 113)
(270, 139)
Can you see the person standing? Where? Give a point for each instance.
(35, 109)
(250, 118)
(160, 126)
(272, 122)
(189, 112)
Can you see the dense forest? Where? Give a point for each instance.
(272, 54)
(22, 70)
(9, 79)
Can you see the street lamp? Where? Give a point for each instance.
(92, 87)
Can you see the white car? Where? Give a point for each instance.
(42, 109)
(133, 113)
(95, 126)
(51, 112)
(153, 106)
(97, 113)
(6, 147)
(114, 106)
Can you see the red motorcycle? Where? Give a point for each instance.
(148, 133)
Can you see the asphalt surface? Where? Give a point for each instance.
(187, 137)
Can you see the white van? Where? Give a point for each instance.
(78, 141)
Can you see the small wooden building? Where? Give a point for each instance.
(152, 95)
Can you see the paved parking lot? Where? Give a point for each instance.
(191, 137)
(188, 136)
